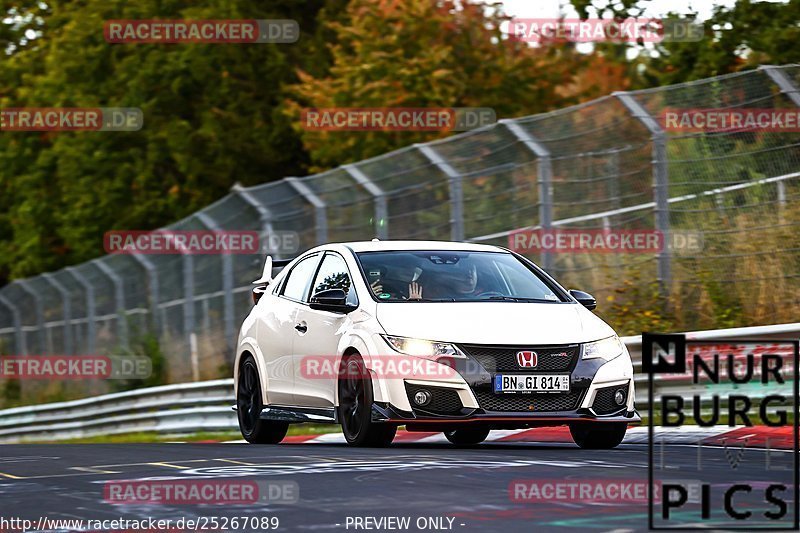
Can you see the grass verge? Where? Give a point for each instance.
(150, 437)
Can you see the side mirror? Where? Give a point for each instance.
(258, 292)
(333, 300)
(584, 298)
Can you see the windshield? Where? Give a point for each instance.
(452, 276)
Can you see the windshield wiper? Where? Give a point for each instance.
(519, 299)
(429, 300)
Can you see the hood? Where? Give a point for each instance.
(492, 322)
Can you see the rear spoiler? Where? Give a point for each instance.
(269, 264)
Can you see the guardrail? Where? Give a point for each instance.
(181, 408)
(206, 406)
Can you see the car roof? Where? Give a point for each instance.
(381, 246)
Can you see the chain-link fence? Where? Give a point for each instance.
(605, 164)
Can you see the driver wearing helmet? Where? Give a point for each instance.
(403, 286)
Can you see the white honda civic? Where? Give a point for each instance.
(433, 336)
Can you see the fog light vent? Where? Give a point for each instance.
(610, 400)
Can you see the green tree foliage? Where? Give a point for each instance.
(740, 37)
(21, 23)
(212, 118)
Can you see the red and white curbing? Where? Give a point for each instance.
(779, 438)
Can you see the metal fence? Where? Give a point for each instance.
(602, 164)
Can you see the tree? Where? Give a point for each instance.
(423, 53)
(212, 118)
(21, 24)
(743, 36)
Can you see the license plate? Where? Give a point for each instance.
(531, 383)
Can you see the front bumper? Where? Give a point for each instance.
(469, 397)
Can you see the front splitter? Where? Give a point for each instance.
(391, 415)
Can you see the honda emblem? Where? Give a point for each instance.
(527, 359)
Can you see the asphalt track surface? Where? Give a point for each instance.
(468, 485)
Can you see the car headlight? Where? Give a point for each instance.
(606, 349)
(422, 348)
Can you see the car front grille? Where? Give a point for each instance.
(504, 358)
(443, 401)
(604, 400)
(563, 401)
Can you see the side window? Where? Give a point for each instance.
(333, 274)
(299, 279)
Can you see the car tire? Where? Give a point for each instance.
(355, 406)
(467, 436)
(254, 429)
(598, 436)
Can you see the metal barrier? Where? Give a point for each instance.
(206, 406)
(182, 408)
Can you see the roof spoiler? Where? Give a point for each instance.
(269, 264)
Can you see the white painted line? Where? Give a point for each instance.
(328, 438)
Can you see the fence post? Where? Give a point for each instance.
(660, 183)
(783, 81)
(24, 284)
(66, 307)
(187, 261)
(19, 335)
(612, 169)
(90, 316)
(320, 214)
(152, 280)
(119, 300)
(227, 286)
(455, 181)
(264, 214)
(381, 206)
(545, 178)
